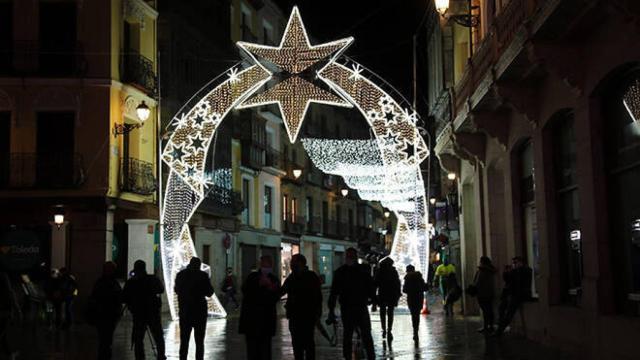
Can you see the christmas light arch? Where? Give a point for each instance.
(385, 169)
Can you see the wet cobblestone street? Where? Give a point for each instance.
(440, 338)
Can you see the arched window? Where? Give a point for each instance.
(622, 161)
(569, 240)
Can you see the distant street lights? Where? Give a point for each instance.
(467, 20)
(297, 173)
(344, 192)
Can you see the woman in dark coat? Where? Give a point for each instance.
(260, 293)
(105, 308)
(387, 284)
(484, 283)
(414, 286)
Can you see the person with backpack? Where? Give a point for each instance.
(105, 308)
(387, 285)
(141, 294)
(192, 285)
(414, 286)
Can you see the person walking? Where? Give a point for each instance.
(9, 313)
(105, 308)
(387, 285)
(484, 288)
(303, 307)
(229, 288)
(442, 275)
(454, 292)
(414, 286)
(141, 294)
(69, 289)
(518, 282)
(192, 285)
(260, 293)
(353, 287)
(55, 298)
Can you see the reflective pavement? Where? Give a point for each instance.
(440, 338)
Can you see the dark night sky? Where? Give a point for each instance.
(383, 31)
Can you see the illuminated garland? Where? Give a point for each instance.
(384, 169)
(631, 100)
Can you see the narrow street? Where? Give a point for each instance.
(440, 338)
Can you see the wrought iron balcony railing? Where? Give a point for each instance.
(314, 225)
(137, 176)
(273, 158)
(41, 171)
(253, 154)
(293, 225)
(138, 70)
(221, 201)
(33, 58)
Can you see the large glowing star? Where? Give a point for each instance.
(295, 61)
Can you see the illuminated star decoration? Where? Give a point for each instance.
(295, 55)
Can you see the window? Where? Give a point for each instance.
(338, 213)
(5, 147)
(294, 209)
(622, 161)
(246, 196)
(285, 201)
(527, 204)
(6, 36)
(309, 209)
(268, 206)
(57, 37)
(55, 165)
(566, 188)
(206, 252)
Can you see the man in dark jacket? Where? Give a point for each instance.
(141, 294)
(105, 308)
(518, 284)
(387, 284)
(484, 286)
(261, 292)
(414, 286)
(353, 286)
(304, 307)
(192, 286)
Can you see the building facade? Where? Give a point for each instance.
(72, 74)
(536, 115)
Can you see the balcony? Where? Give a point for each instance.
(137, 176)
(221, 201)
(274, 158)
(32, 58)
(137, 70)
(253, 154)
(314, 225)
(41, 171)
(293, 225)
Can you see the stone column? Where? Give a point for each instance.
(59, 245)
(109, 234)
(140, 247)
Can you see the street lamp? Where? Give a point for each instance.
(432, 201)
(451, 176)
(58, 216)
(387, 214)
(142, 111)
(297, 173)
(467, 20)
(344, 192)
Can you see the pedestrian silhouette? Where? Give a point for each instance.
(229, 288)
(454, 292)
(69, 289)
(387, 284)
(484, 288)
(303, 306)
(141, 294)
(414, 286)
(9, 313)
(516, 291)
(105, 308)
(353, 287)
(192, 285)
(260, 293)
(55, 297)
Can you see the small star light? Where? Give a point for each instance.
(233, 75)
(357, 72)
(293, 95)
(410, 116)
(631, 101)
